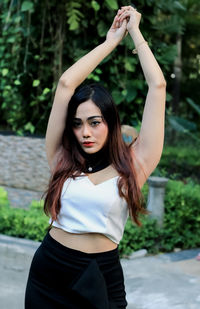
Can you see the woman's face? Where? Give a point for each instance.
(89, 127)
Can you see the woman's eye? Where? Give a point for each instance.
(76, 124)
(94, 123)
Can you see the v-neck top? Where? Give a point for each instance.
(90, 208)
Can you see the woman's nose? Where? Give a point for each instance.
(86, 131)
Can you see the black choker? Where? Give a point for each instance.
(96, 165)
(96, 161)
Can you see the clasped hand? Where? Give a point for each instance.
(127, 18)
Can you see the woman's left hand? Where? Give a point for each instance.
(117, 31)
(131, 15)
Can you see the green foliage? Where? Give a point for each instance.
(74, 15)
(27, 6)
(3, 197)
(136, 238)
(112, 4)
(182, 216)
(187, 128)
(194, 105)
(181, 221)
(31, 224)
(95, 5)
(36, 47)
(180, 162)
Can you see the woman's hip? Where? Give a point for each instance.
(97, 277)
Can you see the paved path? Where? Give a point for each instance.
(165, 281)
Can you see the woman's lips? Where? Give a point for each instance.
(88, 144)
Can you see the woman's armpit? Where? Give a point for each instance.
(139, 166)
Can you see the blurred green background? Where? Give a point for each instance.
(41, 39)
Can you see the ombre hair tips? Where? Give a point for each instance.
(70, 163)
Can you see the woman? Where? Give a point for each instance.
(96, 180)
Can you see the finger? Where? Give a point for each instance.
(120, 12)
(124, 24)
(130, 7)
(115, 21)
(125, 7)
(125, 12)
(123, 16)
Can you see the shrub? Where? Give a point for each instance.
(182, 216)
(181, 221)
(31, 224)
(3, 197)
(180, 163)
(136, 238)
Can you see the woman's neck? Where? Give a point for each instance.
(96, 161)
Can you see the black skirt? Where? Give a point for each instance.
(65, 278)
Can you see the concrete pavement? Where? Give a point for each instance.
(164, 281)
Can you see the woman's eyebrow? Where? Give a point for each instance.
(89, 118)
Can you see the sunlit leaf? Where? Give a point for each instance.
(95, 5)
(112, 4)
(17, 82)
(4, 72)
(129, 67)
(29, 127)
(27, 6)
(45, 91)
(36, 83)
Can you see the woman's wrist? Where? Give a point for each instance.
(137, 37)
(134, 31)
(111, 43)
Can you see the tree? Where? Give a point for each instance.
(40, 39)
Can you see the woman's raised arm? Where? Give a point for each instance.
(69, 81)
(148, 147)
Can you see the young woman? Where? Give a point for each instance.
(96, 180)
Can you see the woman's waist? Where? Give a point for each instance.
(85, 242)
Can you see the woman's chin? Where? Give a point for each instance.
(90, 150)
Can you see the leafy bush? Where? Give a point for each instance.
(3, 197)
(27, 85)
(181, 226)
(31, 224)
(180, 229)
(182, 216)
(180, 163)
(136, 238)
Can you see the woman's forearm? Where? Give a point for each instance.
(79, 71)
(150, 66)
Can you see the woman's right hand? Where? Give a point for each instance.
(132, 16)
(117, 31)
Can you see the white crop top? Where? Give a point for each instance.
(90, 208)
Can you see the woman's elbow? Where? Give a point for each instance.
(162, 84)
(159, 84)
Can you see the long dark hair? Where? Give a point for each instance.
(70, 162)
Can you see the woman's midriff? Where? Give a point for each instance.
(87, 242)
